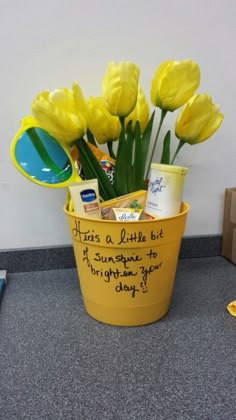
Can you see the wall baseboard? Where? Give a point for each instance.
(62, 257)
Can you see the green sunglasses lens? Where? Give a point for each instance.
(42, 158)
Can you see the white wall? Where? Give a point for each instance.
(49, 43)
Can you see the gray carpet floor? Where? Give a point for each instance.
(56, 362)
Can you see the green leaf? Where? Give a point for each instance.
(129, 157)
(139, 160)
(165, 157)
(92, 169)
(91, 138)
(43, 154)
(163, 114)
(180, 145)
(110, 149)
(142, 143)
(120, 184)
(88, 168)
(147, 136)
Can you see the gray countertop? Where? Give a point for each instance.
(56, 362)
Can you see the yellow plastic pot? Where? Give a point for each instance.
(127, 269)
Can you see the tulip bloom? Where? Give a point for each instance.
(198, 119)
(62, 113)
(104, 126)
(140, 112)
(174, 83)
(120, 88)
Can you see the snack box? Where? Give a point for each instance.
(134, 200)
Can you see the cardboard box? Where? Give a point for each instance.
(229, 225)
(135, 199)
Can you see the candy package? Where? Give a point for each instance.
(107, 162)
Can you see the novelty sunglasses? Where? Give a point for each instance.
(40, 158)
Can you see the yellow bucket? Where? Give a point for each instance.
(127, 269)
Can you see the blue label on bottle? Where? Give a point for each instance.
(88, 195)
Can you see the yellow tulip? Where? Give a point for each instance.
(140, 112)
(198, 119)
(120, 88)
(174, 82)
(62, 113)
(104, 126)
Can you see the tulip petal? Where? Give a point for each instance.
(198, 119)
(54, 120)
(179, 84)
(61, 98)
(140, 112)
(192, 120)
(120, 88)
(104, 126)
(213, 124)
(78, 98)
(174, 83)
(156, 82)
(29, 121)
(62, 113)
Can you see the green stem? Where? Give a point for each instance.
(88, 167)
(120, 179)
(129, 158)
(163, 114)
(91, 138)
(42, 152)
(92, 169)
(180, 145)
(110, 148)
(122, 123)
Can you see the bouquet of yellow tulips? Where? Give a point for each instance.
(121, 114)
